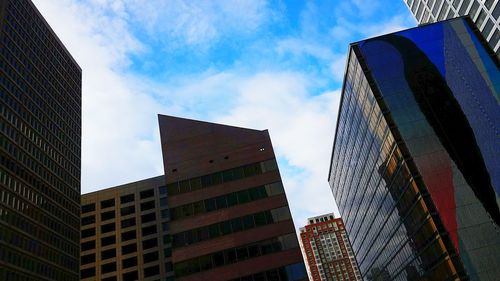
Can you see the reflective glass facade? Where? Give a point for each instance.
(484, 13)
(414, 167)
(40, 147)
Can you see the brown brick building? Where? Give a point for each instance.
(327, 250)
(229, 213)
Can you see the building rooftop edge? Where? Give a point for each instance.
(125, 185)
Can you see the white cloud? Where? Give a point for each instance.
(120, 134)
(199, 23)
(119, 142)
(301, 128)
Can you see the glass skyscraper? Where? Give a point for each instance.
(40, 147)
(415, 166)
(485, 13)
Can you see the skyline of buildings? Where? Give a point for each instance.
(327, 250)
(40, 145)
(125, 233)
(485, 14)
(229, 213)
(413, 166)
(414, 169)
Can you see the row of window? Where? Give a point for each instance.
(147, 230)
(123, 212)
(18, 221)
(44, 40)
(25, 141)
(28, 192)
(27, 85)
(111, 267)
(221, 177)
(22, 242)
(230, 226)
(126, 263)
(227, 200)
(233, 255)
(23, 199)
(35, 266)
(292, 272)
(87, 208)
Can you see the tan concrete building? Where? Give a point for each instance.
(124, 233)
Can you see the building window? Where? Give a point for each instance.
(110, 240)
(88, 208)
(130, 262)
(129, 235)
(86, 259)
(109, 267)
(130, 276)
(128, 222)
(148, 217)
(149, 230)
(85, 246)
(86, 273)
(107, 203)
(127, 210)
(127, 198)
(107, 254)
(88, 220)
(150, 243)
(151, 271)
(147, 193)
(147, 205)
(150, 257)
(108, 227)
(127, 249)
(108, 215)
(88, 232)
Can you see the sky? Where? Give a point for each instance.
(258, 64)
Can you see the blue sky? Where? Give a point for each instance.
(274, 65)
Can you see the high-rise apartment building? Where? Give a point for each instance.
(485, 13)
(40, 144)
(229, 213)
(415, 166)
(125, 233)
(327, 250)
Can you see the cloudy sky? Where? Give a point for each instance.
(274, 65)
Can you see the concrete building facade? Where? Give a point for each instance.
(125, 233)
(484, 13)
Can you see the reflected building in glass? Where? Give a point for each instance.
(327, 250)
(229, 213)
(415, 166)
(484, 13)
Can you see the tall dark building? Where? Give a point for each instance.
(415, 166)
(229, 213)
(125, 233)
(40, 144)
(484, 13)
